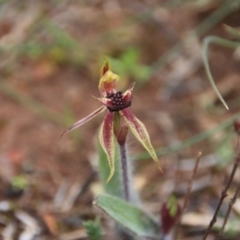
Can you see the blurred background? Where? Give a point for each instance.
(51, 53)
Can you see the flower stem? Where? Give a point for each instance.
(125, 171)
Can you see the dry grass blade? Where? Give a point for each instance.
(221, 42)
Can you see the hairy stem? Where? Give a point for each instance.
(126, 182)
(125, 171)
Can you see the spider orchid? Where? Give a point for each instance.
(116, 104)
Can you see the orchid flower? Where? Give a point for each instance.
(116, 104)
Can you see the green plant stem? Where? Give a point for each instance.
(125, 171)
(222, 42)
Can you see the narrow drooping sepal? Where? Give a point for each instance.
(140, 132)
(107, 141)
(84, 120)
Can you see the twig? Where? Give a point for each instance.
(191, 181)
(189, 189)
(233, 200)
(231, 203)
(223, 196)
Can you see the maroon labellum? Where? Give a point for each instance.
(117, 102)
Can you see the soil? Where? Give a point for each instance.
(51, 56)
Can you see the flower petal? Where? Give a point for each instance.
(108, 80)
(106, 101)
(140, 132)
(107, 141)
(104, 68)
(127, 96)
(84, 120)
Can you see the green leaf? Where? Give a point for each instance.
(114, 186)
(93, 229)
(128, 215)
(172, 206)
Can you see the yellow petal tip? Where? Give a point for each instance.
(110, 175)
(105, 67)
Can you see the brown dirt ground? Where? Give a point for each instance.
(30, 143)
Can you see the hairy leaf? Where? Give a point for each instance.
(128, 215)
